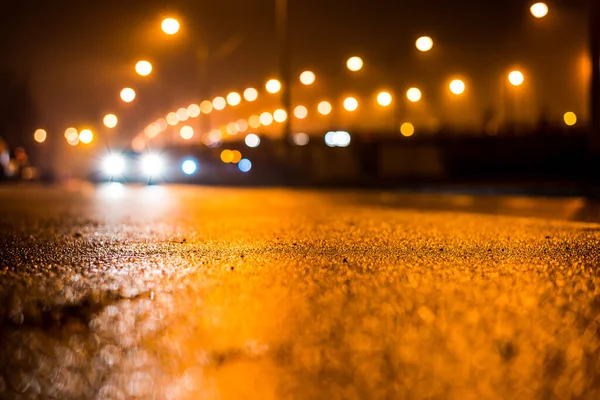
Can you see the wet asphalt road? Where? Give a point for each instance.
(116, 292)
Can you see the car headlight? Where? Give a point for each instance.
(152, 164)
(113, 165)
(189, 167)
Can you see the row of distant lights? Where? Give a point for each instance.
(171, 26)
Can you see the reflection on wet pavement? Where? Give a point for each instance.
(272, 294)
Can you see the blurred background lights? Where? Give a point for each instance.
(242, 125)
(307, 78)
(245, 165)
(143, 68)
(266, 118)
(236, 156)
(40, 135)
(232, 128)
(110, 120)
(300, 139)
(186, 132)
(354, 64)
(170, 26)
(193, 110)
(152, 164)
(516, 78)
(384, 99)
(350, 104)
(206, 107)
(86, 136)
(337, 139)
(539, 10)
(252, 140)
(219, 103)
(324, 108)
(424, 43)
(127, 95)
(172, 119)
(254, 121)
(182, 114)
(227, 156)
(413, 94)
(570, 118)
(273, 86)
(113, 164)
(407, 129)
(457, 86)
(300, 112)
(189, 167)
(71, 134)
(234, 98)
(250, 94)
(279, 115)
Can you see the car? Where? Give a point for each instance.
(131, 166)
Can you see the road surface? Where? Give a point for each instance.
(116, 292)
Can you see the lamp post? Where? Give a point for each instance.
(281, 7)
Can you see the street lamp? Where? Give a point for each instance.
(307, 78)
(324, 108)
(570, 118)
(384, 99)
(424, 43)
(40, 135)
(86, 136)
(413, 94)
(457, 87)
(350, 104)
(273, 86)
(354, 64)
(170, 26)
(516, 78)
(143, 68)
(110, 121)
(127, 95)
(300, 112)
(539, 10)
(250, 94)
(234, 99)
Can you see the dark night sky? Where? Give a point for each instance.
(80, 53)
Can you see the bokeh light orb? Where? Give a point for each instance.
(182, 114)
(227, 156)
(143, 68)
(86, 136)
(266, 118)
(234, 99)
(189, 167)
(40, 135)
(127, 95)
(516, 78)
(424, 43)
(457, 87)
(354, 64)
(413, 94)
(324, 108)
(110, 121)
(250, 94)
(279, 115)
(172, 119)
(407, 129)
(307, 78)
(384, 99)
(237, 156)
(350, 104)
(570, 118)
(245, 165)
(273, 86)
(300, 112)
(300, 139)
(193, 110)
(252, 140)
(71, 134)
(170, 26)
(254, 121)
(206, 107)
(539, 10)
(219, 103)
(186, 132)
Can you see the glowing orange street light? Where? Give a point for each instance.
(40, 135)
(424, 43)
(384, 99)
(324, 108)
(350, 104)
(127, 95)
(273, 86)
(413, 94)
(516, 78)
(110, 121)
(307, 78)
(86, 136)
(457, 87)
(143, 68)
(354, 64)
(170, 26)
(539, 10)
